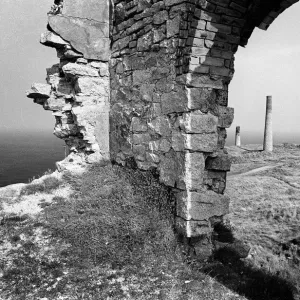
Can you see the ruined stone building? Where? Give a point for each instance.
(147, 81)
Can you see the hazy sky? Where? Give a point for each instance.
(269, 65)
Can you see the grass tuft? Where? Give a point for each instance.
(48, 185)
(116, 215)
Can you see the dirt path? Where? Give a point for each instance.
(253, 171)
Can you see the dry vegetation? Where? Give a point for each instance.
(265, 208)
(111, 238)
(108, 234)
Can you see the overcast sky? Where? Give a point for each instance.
(269, 65)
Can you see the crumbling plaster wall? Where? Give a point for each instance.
(78, 87)
(160, 70)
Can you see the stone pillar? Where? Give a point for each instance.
(238, 136)
(268, 137)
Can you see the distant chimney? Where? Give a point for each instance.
(238, 136)
(268, 138)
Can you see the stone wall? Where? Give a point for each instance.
(78, 87)
(159, 70)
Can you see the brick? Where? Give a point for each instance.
(222, 54)
(199, 51)
(205, 34)
(219, 71)
(238, 7)
(228, 12)
(223, 3)
(209, 16)
(214, 61)
(216, 27)
(199, 69)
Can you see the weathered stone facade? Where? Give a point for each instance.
(148, 80)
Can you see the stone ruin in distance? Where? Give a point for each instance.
(147, 80)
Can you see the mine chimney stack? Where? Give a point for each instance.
(268, 137)
(238, 136)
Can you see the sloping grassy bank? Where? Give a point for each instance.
(265, 209)
(107, 234)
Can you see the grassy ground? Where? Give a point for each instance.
(108, 234)
(110, 238)
(265, 208)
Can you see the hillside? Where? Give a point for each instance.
(265, 207)
(108, 234)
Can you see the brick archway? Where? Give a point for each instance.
(160, 71)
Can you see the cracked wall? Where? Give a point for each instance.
(78, 87)
(147, 81)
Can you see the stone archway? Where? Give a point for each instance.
(160, 70)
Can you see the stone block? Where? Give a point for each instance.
(88, 37)
(146, 91)
(174, 102)
(201, 206)
(167, 171)
(51, 39)
(194, 170)
(173, 27)
(139, 152)
(199, 69)
(140, 138)
(201, 98)
(220, 163)
(203, 81)
(141, 76)
(192, 228)
(101, 131)
(214, 61)
(198, 122)
(164, 145)
(72, 69)
(97, 10)
(161, 125)
(92, 86)
(226, 116)
(207, 142)
(138, 125)
(178, 141)
(216, 27)
(221, 71)
(39, 90)
(160, 17)
(153, 158)
(54, 103)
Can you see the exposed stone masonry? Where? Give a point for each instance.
(148, 80)
(78, 88)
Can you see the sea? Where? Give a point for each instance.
(28, 155)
